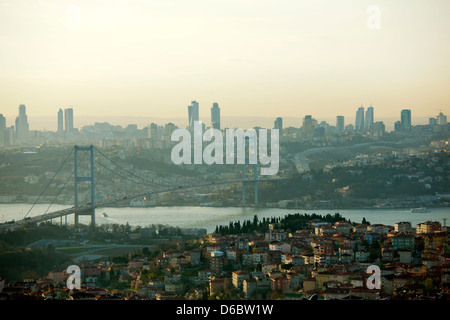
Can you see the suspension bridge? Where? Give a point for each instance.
(88, 209)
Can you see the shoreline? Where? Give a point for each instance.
(250, 206)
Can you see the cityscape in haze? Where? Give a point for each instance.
(365, 124)
(349, 99)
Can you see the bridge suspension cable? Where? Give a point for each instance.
(120, 175)
(128, 171)
(46, 187)
(65, 183)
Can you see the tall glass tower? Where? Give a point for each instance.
(405, 118)
(193, 113)
(278, 124)
(215, 116)
(68, 120)
(340, 124)
(368, 124)
(22, 127)
(359, 123)
(60, 121)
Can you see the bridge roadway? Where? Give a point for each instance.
(87, 207)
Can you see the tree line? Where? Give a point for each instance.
(292, 222)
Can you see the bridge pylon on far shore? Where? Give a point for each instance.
(91, 179)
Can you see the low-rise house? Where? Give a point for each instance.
(280, 246)
(275, 235)
(428, 227)
(238, 277)
(362, 255)
(378, 228)
(435, 240)
(294, 279)
(217, 285)
(279, 283)
(345, 258)
(403, 241)
(309, 285)
(342, 227)
(308, 258)
(405, 256)
(249, 287)
(57, 276)
(372, 236)
(387, 254)
(204, 275)
(294, 260)
(417, 271)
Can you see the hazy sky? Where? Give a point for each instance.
(271, 58)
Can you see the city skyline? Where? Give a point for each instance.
(65, 119)
(255, 58)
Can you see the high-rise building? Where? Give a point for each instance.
(60, 121)
(2, 122)
(368, 122)
(432, 121)
(215, 116)
(153, 132)
(359, 123)
(308, 126)
(8, 135)
(441, 119)
(322, 129)
(68, 120)
(168, 129)
(22, 127)
(405, 119)
(2, 129)
(340, 124)
(193, 113)
(278, 124)
(378, 129)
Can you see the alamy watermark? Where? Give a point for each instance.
(74, 280)
(374, 19)
(213, 153)
(374, 281)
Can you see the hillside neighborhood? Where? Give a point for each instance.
(324, 259)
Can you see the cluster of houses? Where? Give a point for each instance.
(331, 261)
(327, 260)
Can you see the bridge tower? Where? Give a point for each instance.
(91, 179)
(255, 168)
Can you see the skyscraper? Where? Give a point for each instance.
(405, 118)
(379, 129)
(359, 123)
(68, 120)
(340, 124)
(22, 127)
(2, 129)
(278, 124)
(308, 126)
(60, 121)
(153, 131)
(368, 124)
(2, 122)
(441, 119)
(215, 116)
(193, 113)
